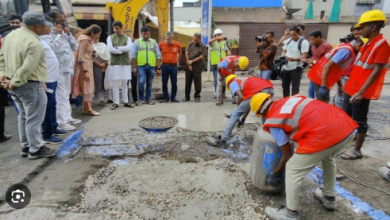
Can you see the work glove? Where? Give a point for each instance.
(274, 180)
(323, 94)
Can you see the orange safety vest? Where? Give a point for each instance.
(252, 85)
(335, 71)
(364, 65)
(314, 125)
(230, 70)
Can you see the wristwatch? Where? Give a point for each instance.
(85, 71)
(190, 62)
(158, 68)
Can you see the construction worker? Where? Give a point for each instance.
(219, 50)
(339, 97)
(310, 123)
(226, 67)
(244, 90)
(367, 76)
(327, 71)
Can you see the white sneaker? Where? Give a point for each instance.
(74, 121)
(67, 127)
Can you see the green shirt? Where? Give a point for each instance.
(22, 57)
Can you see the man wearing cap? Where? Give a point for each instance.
(367, 76)
(244, 89)
(327, 70)
(228, 66)
(310, 123)
(219, 50)
(23, 72)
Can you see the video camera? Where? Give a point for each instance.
(261, 38)
(280, 61)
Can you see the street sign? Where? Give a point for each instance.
(206, 20)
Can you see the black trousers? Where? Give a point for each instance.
(358, 112)
(192, 76)
(3, 103)
(134, 90)
(291, 77)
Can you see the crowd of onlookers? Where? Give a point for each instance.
(44, 66)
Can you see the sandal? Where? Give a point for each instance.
(197, 100)
(93, 113)
(353, 155)
(114, 106)
(218, 103)
(6, 138)
(129, 105)
(101, 103)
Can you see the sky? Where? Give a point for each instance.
(179, 3)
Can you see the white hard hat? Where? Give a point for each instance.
(218, 31)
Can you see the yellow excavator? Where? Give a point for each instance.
(127, 12)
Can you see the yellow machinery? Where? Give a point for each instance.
(127, 13)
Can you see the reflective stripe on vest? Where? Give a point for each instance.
(294, 122)
(230, 70)
(146, 53)
(335, 71)
(364, 64)
(242, 84)
(218, 52)
(343, 65)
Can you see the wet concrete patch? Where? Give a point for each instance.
(156, 188)
(177, 144)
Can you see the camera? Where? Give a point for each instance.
(261, 38)
(281, 61)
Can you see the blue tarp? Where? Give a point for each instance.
(248, 3)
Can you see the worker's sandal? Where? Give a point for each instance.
(328, 202)
(281, 213)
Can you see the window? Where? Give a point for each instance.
(322, 15)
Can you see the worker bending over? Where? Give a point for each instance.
(310, 123)
(243, 89)
(226, 67)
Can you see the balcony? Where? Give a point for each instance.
(366, 2)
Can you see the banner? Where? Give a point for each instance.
(126, 12)
(205, 23)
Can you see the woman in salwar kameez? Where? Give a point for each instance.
(83, 81)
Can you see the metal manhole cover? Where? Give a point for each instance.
(158, 124)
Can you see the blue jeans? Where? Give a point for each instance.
(145, 75)
(235, 117)
(265, 74)
(169, 72)
(49, 124)
(216, 76)
(79, 102)
(310, 91)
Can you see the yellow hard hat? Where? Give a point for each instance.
(243, 62)
(258, 100)
(227, 80)
(370, 16)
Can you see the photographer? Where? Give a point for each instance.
(267, 48)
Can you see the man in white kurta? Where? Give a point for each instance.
(119, 69)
